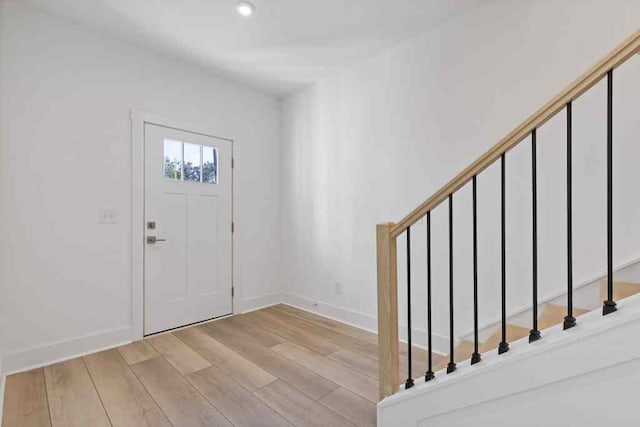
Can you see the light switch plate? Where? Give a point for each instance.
(108, 216)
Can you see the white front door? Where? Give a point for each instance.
(187, 260)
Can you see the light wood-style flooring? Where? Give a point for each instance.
(278, 366)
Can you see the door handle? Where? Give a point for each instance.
(151, 240)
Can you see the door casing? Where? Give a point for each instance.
(138, 120)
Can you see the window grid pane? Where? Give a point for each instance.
(192, 162)
(184, 161)
(209, 165)
(172, 159)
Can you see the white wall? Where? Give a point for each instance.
(66, 94)
(372, 142)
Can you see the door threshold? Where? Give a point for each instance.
(179, 328)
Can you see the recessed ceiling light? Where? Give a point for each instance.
(245, 8)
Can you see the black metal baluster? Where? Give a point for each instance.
(452, 364)
(504, 345)
(475, 357)
(569, 320)
(609, 305)
(429, 375)
(409, 382)
(534, 334)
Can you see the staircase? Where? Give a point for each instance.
(555, 317)
(552, 315)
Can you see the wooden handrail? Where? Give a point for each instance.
(614, 59)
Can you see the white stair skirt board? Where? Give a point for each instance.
(597, 343)
(48, 354)
(440, 343)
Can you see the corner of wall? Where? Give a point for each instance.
(256, 303)
(440, 344)
(2, 385)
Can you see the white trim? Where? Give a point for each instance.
(45, 355)
(192, 325)
(138, 119)
(256, 303)
(592, 325)
(440, 344)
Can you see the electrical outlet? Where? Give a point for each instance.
(108, 216)
(338, 288)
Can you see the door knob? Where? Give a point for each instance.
(151, 240)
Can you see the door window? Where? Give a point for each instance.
(184, 161)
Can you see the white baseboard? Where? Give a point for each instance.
(440, 344)
(256, 303)
(40, 356)
(37, 357)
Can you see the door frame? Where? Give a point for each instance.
(138, 121)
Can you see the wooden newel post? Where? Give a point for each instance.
(388, 363)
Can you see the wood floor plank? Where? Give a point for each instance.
(73, 400)
(137, 352)
(266, 336)
(293, 334)
(352, 407)
(332, 336)
(233, 364)
(180, 355)
(419, 355)
(298, 408)
(180, 402)
(294, 363)
(126, 400)
(25, 403)
(343, 328)
(240, 407)
(356, 361)
(418, 364)
(306, 381)
(353, 380)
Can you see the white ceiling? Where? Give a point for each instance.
(283, 46)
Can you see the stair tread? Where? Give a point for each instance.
(514, 333)
(462, 352)
(621, 290)
(554, 314)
